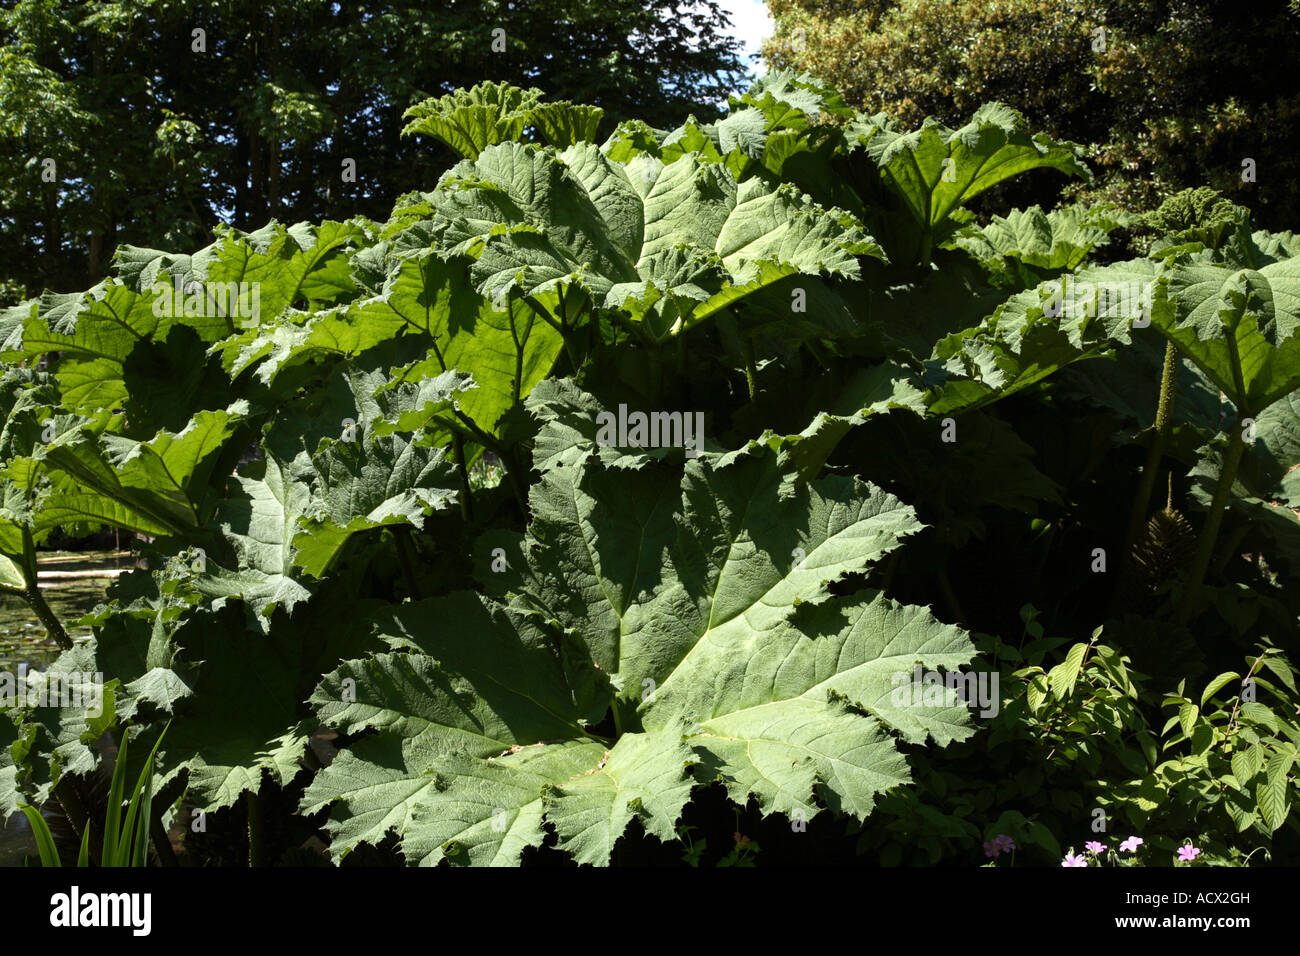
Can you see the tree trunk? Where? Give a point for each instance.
(273, 190)
(257, 185)
(242, 198)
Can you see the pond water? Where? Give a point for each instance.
(22, 637)
(23, 641)
(16, 841)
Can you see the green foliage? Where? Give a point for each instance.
(1082, 750)
(935, 170)
(1046, 243)
(126, 842)
(469, 121)
(1195, 215)
(606, 482)
(1146, 84)
(127, 125)
(744, 852)
(717, 661)
(1234, 315)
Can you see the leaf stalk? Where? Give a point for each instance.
(1213, 520)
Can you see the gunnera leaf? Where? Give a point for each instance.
(688, 600)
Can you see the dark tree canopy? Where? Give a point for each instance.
(120, 123)
(1170, 94)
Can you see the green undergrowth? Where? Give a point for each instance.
(604, 504)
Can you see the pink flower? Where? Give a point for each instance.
(1131, 844)
(1072, 859)
(1188, 853)
(999, 844)
(1096, 847)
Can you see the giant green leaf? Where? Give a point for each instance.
(365, 484)
(10, 795)
(486, 812)
(669, 244)
(1053, 241)
(1238, 325)
(643, 776)
(94, 334)
(220, 289)
(471, 120)
(288, 265)
(934, 169)
(27, 397)
(237, 717)
(696, 601)
(504, 345)
(162, 486)
(1037, 332)
(260, 521)
(73, 708)
(1271, 466)
(495, 680)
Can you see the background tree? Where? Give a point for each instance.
(151, 122)
(1170, 94)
